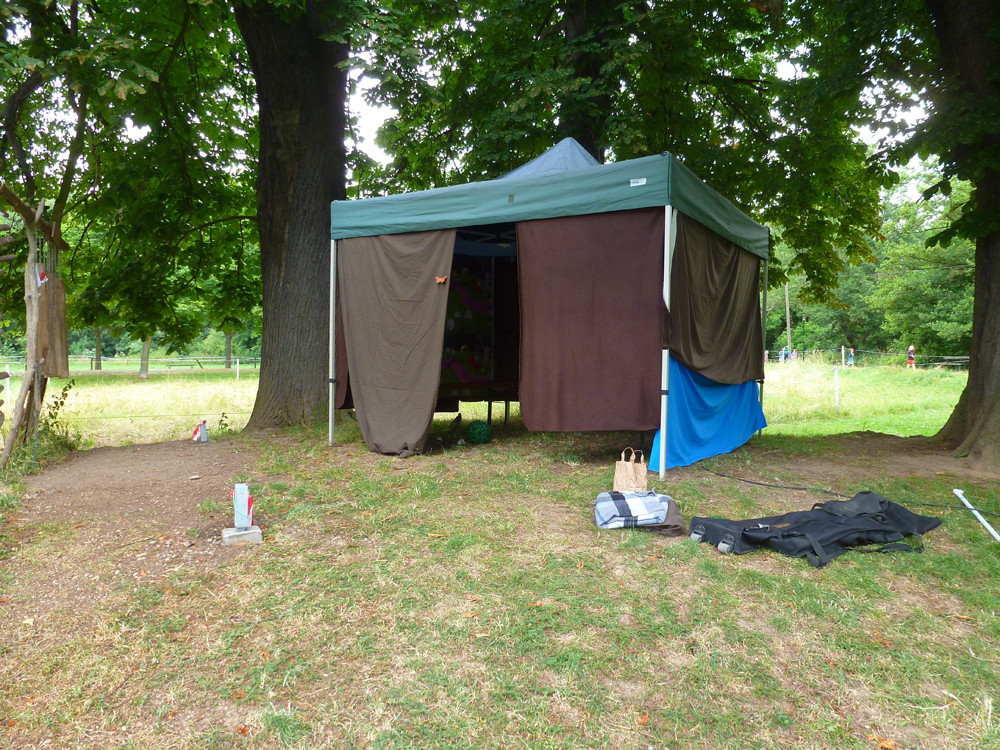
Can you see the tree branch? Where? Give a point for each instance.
(206, 225)
(9, 119)
(75, 150)
(27, 213)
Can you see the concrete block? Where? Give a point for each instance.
(249, 535)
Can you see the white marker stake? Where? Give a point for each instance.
(244, 532)
(200, 434)
(242, 507)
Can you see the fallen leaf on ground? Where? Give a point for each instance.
(884, 743)
(470, 614)
(643, 720)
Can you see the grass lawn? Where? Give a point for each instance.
(464, 599)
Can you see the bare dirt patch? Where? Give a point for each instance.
(132, 512)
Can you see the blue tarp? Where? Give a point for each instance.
(705, 418)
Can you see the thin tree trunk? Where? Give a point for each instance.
(23, 409)
(229, 351)
(302, 91)
(144, 359)
(97, 348)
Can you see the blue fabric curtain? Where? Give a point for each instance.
(705, 418)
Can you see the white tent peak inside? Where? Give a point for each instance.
(580, 289)
(565, 156)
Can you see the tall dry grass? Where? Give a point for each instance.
(119, 409)
(806, 399)
(800, 398)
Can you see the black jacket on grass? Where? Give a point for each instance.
(820, 534)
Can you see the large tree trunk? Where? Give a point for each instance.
(970, 53)
(229, 351)
(302, 93)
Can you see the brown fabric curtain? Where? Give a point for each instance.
(393, 309)
(715, 306)
(342, 395)
(591, 314)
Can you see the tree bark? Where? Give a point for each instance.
(967, 32)
(97, 348)
(229, 351)
(587, 28)
(302, 93)
(25, 412)
(144, 359)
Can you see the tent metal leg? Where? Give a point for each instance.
(333, 338)
(664, 391)
(669, 240)
(763, 335)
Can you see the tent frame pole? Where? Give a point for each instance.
(333, 337)
(763, 334)
(669, 238)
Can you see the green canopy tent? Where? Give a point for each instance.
(606, 237)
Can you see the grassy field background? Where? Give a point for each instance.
(464, 599)
(113, 407)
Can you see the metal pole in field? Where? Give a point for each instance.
(788, 319)
(993, 532)
(237, 368)
(843, 360)
(836, 389)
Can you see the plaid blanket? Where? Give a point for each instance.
(626, 510)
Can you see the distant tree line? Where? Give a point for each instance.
(210, 343)
(906, 294)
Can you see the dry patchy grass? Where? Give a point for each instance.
(465, 599)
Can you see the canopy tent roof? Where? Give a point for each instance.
(571, 190)
(564, 156)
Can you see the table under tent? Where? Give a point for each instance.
(623, 296)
